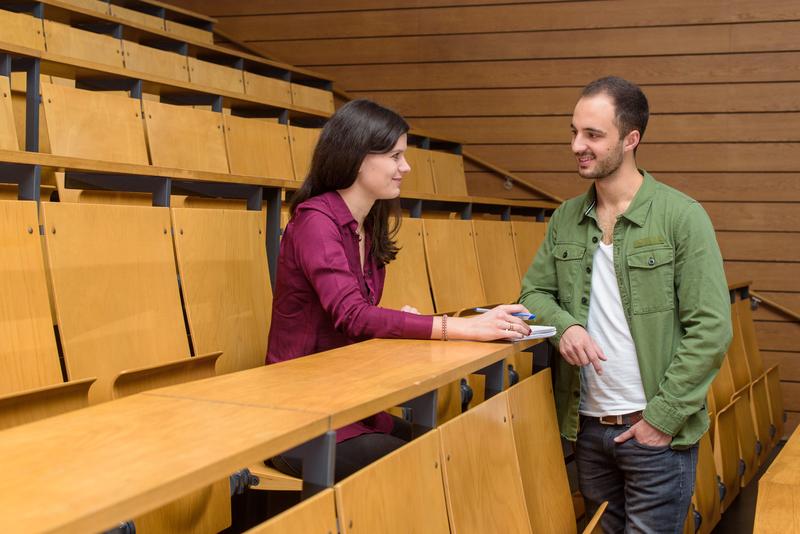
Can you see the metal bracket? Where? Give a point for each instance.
(494, 378)
(126, 527)
(272, 195)
(241, 480)
(466, 394)
(423, 412)
(722, 489)
(513, 375)
(317, 457)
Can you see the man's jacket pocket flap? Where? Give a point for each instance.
(650, 259)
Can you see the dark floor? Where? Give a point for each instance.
(738, 519)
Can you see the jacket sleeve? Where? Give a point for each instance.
(704, 312)
(540, 286)
(320, 252)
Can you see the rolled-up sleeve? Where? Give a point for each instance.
(321, 254)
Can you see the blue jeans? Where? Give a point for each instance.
(648, 489)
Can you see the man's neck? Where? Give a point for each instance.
(615, 192)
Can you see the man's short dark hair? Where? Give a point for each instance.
(632, 109)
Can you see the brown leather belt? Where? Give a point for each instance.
(624, 419)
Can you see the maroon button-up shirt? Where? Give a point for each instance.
(323, 299)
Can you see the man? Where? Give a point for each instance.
(631, 276)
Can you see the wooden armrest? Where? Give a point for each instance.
(34, 404)
(593, 527)
(271, 479)
(166, 374)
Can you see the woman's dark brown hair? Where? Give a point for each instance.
(358, 128)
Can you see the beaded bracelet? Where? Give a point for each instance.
(444, 327)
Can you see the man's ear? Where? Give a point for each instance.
(632, 140)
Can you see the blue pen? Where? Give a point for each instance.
(521, 315)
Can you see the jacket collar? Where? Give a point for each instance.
(640, 205)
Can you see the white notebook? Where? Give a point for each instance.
(539, 332)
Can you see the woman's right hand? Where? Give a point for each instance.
(497, 323)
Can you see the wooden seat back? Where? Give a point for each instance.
(497, 260)
(21, 29)
(217, 76)
(8, 130)
(747, 436)
(420, 178)
(155, 61)
(726, 452)
(268, 88)
(775, 402)
(81, 44)
(448, 174)
(94, 125)
(722, 388)
(402, 492)
(762, 423)
(407, 276)
(185, 138)
(303, 141)
(258, 147)
(540, 455)
(226, 289)
(184, 31)
(312, 98)
(706, 490)
(483, 484)
(115, 289)
(744, 315)
(452, 264)
(528, 236)
(737, 357)
(316, 515)
(136, 17)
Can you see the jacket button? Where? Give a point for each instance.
(651, 261)
(565, 254)
(588, 270)
(584, 300)
(594, 239)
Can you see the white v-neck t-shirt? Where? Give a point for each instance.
(619, 389)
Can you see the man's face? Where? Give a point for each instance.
(596, 141)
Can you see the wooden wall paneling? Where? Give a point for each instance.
(21, 29)
(185, 138)
(763, 246)
(778, 336)
(787, 299)
(420, 178)
(94, 125)
(258, 147)
(81, 44)
(216, 76)
(137, 17)
(268, 88)
(312, 98)
(767, 276)
(154, 61)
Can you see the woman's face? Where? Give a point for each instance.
(380, 175)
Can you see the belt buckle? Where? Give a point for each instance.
(611, 420)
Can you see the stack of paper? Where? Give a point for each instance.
(539, 332)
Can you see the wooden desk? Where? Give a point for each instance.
(778, 503)
(349, 383)
(86, 471)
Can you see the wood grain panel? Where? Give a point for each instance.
(488, 18)
(76, 43)
(789, 363)
(717, 68)
(154, 61)
(683, 128)
(316, 514)
(497, 261)
(791, 395)
(407, 276)
(766, 276)
(696, 98)
(21, 29)
(655, 157)
(766, 313)
(638, 41)
(777, 336)
(766, 216)
(765, 246)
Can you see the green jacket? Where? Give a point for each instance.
(674, 294)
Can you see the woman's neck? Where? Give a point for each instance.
(357, 203)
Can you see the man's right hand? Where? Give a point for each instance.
(578, 348)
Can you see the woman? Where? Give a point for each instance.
(331, 267)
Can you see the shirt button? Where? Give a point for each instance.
(651, 261)
(584, 300)
(565, 254)
(594, 239)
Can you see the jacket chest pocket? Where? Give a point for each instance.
(568, 258)
(652, 277)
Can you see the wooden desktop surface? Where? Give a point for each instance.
(349, 383)
(778, 503)
(87, 470)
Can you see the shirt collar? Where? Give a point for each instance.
(640, 205)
